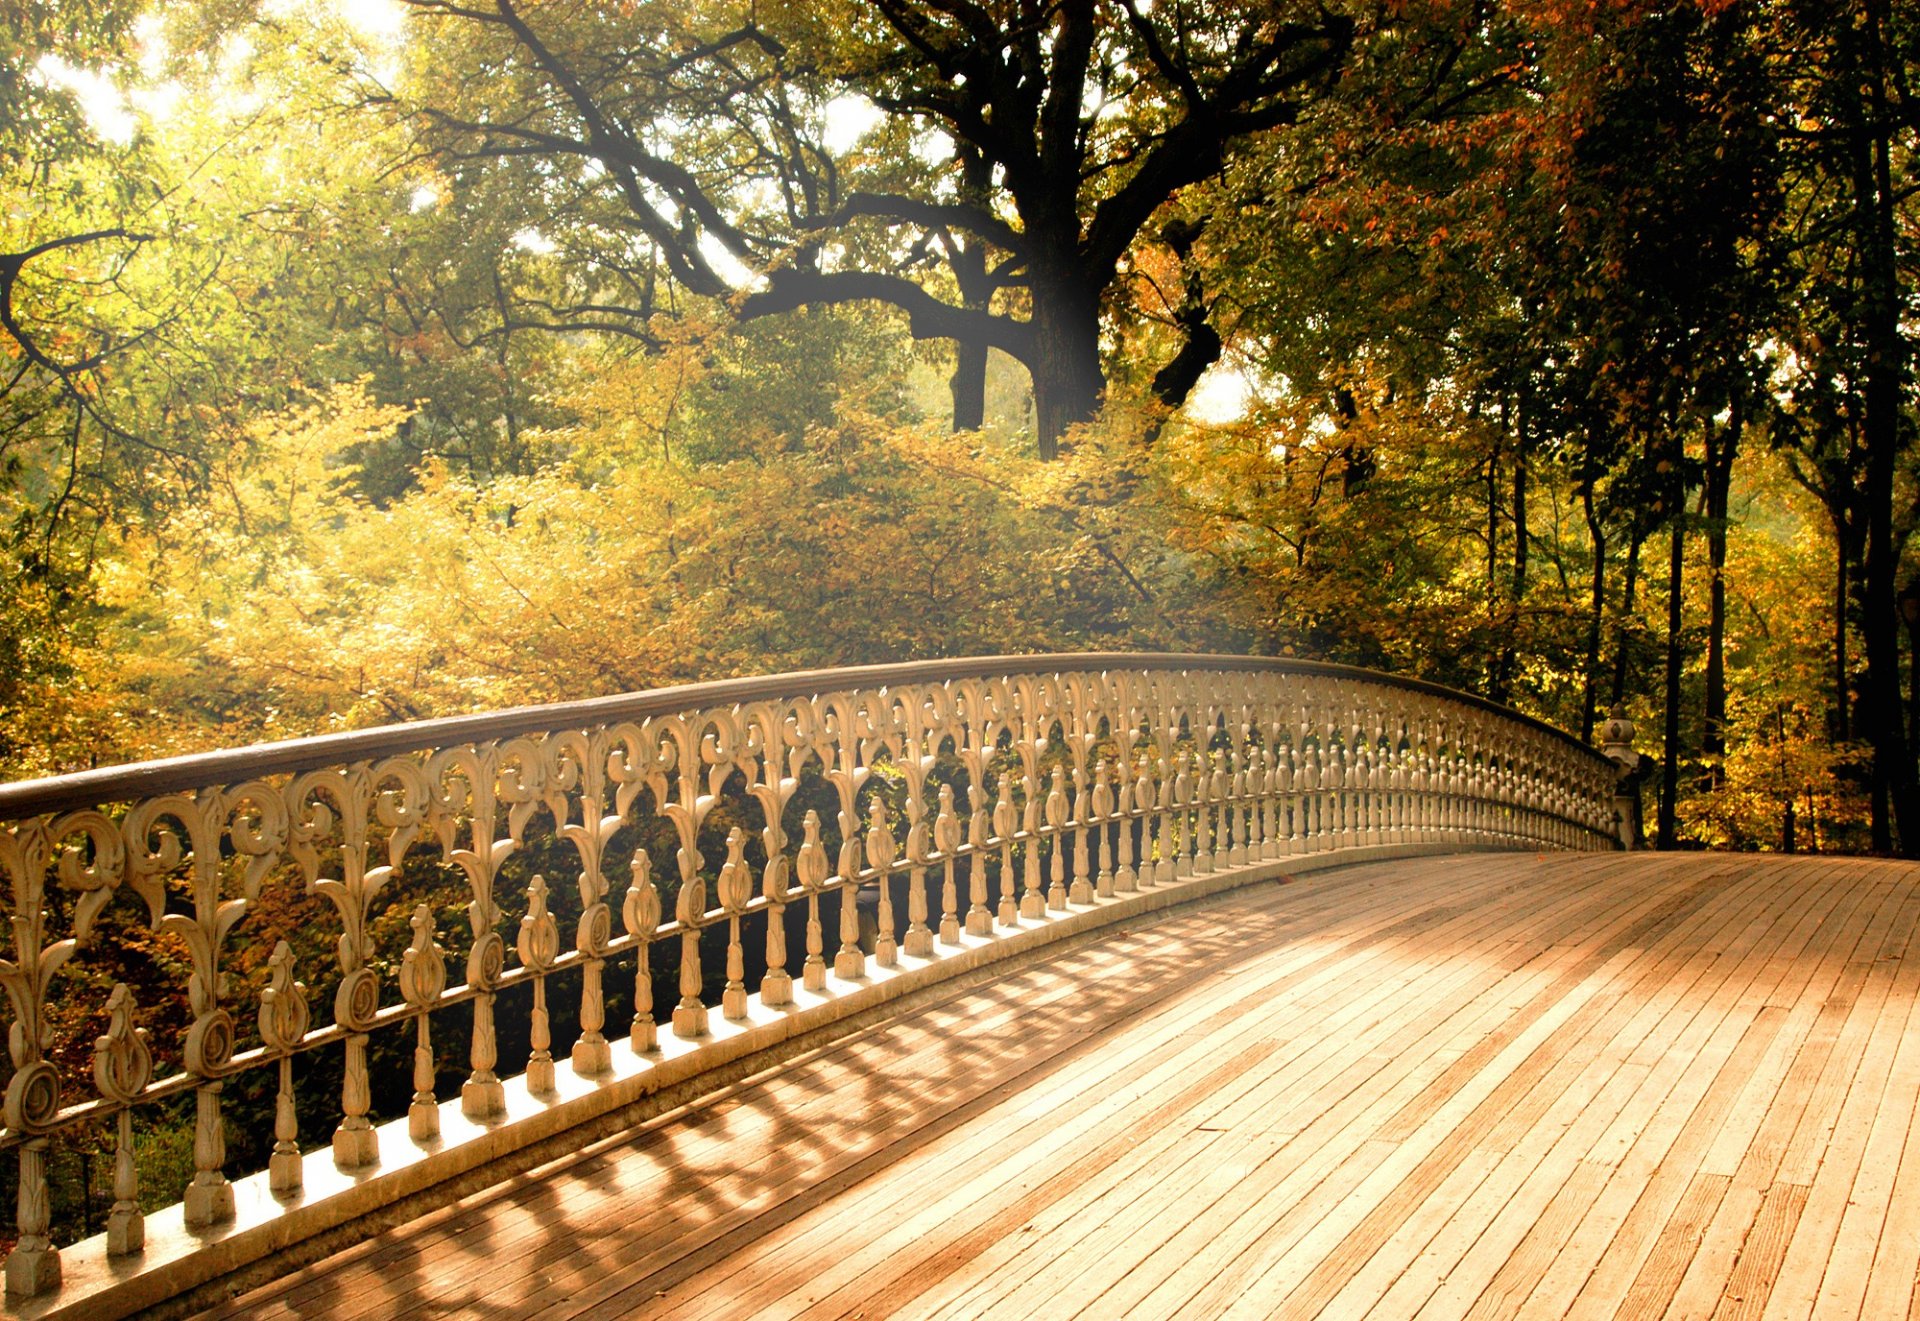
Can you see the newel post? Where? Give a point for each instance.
(1616, 743)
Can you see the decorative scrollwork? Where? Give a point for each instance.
(209, 1046)
(423, 968)
(357, 1001)
(487, 961)
(122, 1056)
(283, 1005)
(33, 1097)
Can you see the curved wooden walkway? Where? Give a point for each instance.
(1480, 1086)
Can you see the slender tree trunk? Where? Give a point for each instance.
(1667, 835)
(1787, 822)
(1629, 598)
(1840, 710)
(1493, 525)
(968, 385)
(1910, 611)
(1721, 450)
(1517, 581)
(1896, 794)
(1596, 615)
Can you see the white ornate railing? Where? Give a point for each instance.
(896, 824)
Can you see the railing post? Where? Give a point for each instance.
(946, 839)
(1616, 743)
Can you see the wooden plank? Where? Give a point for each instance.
(1320, 1210)
(1521, 1265)
(1220, 1252)
(1888, 1113)
(891, 1257)
(1597, 1265)
(1744, 1295)
(1352, 1058)
(1376, 1251)
(1753, 1140)
(1480, 1251)
(1487, 1086)
(1827, 1153)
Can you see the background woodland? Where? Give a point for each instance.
(366, 362)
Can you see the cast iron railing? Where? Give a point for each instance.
(770, 853)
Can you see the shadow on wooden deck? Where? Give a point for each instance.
(1490, 1085)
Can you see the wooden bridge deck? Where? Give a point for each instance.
(1586, 1086)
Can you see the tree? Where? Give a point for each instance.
(1051, 134)
(1853, 131)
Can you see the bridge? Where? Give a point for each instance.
(1098, 985)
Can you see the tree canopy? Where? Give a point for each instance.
(365, 361)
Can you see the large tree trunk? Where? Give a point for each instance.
(1067, 380)
(968, 260)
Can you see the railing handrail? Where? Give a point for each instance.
(145, 779)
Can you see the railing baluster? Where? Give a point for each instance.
(1032, 904)
(1220, 790)
(640, 914)
(1265, 844)
(482, 1096)
(283, 1023)
(538, 946)
(1057, 823)
(1103, 822)
(1177, 844)
(851, 961)
(919, 941)
(690, 910)
(946, 838)
(776, 987)
(423, 976)
(122, 1067)
(1239, 804)
(1005, 825)
(576, 768)
(979, 839)
(33, 1267)
(1081, 890)
(1165, 872)
(882, 851)
(734, 889)
(1125, 879)
(810, 868)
